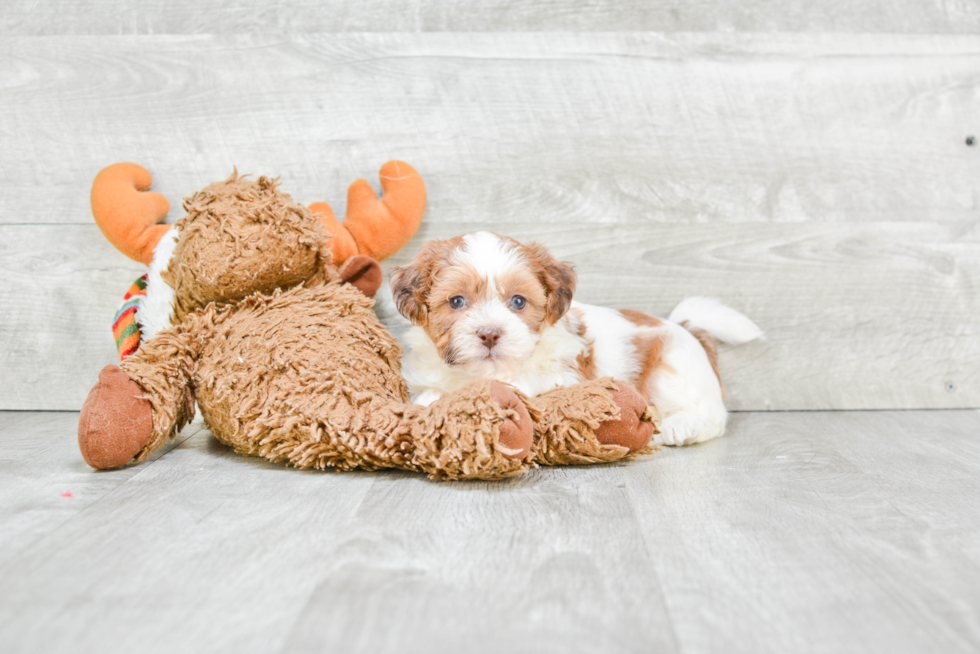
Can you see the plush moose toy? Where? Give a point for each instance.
(258, 311)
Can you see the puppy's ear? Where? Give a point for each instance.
(558, 279)
(410, 284)
(406, 283)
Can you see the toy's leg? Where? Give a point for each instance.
(132, 410)
(591, 422)
(116, 421)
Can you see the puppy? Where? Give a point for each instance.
(487, 307)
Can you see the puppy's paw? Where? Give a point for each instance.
(683, 429)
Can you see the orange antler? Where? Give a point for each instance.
(377, 227)
(125, 213)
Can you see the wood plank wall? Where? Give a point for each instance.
(34, 18)
(806, 164)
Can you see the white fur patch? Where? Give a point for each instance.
(612, 336)
(686, 392)
(550, 365)
(487, 254)
(156, 309)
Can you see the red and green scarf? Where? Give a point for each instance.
(124, 327)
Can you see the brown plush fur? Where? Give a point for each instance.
(309, 376)
(569, 418)
(241, 237)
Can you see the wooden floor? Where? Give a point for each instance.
(800, 532)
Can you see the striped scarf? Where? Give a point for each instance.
(124, 327)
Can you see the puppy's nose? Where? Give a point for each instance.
(489, 336)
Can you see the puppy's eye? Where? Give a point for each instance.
(457, 302)
(517, 303)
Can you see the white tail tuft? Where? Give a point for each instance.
(722, 322)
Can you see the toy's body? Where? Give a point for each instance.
(283, 354)
(310, 377)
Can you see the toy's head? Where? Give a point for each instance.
(244, 236)
(239, 237)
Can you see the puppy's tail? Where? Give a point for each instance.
(721, 322)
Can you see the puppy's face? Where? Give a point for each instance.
(483, 299)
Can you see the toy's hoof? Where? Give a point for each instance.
(631, 430)
(116, 421)
(516, 432)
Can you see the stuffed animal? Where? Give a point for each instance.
(268, 327)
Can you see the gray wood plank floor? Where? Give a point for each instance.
(803, 532)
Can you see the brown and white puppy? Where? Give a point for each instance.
(487, 307)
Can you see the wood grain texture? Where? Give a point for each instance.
(857, 316)
(820, 183)
(293, 16)
(63, 285)
(510, 128)
(809, 532)
(41, 463)
(841, 531)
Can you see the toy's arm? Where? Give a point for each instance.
(125, 213)
(489, 431)
(483, 431)
(377, 227)
(134, 409)
(592, 422)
